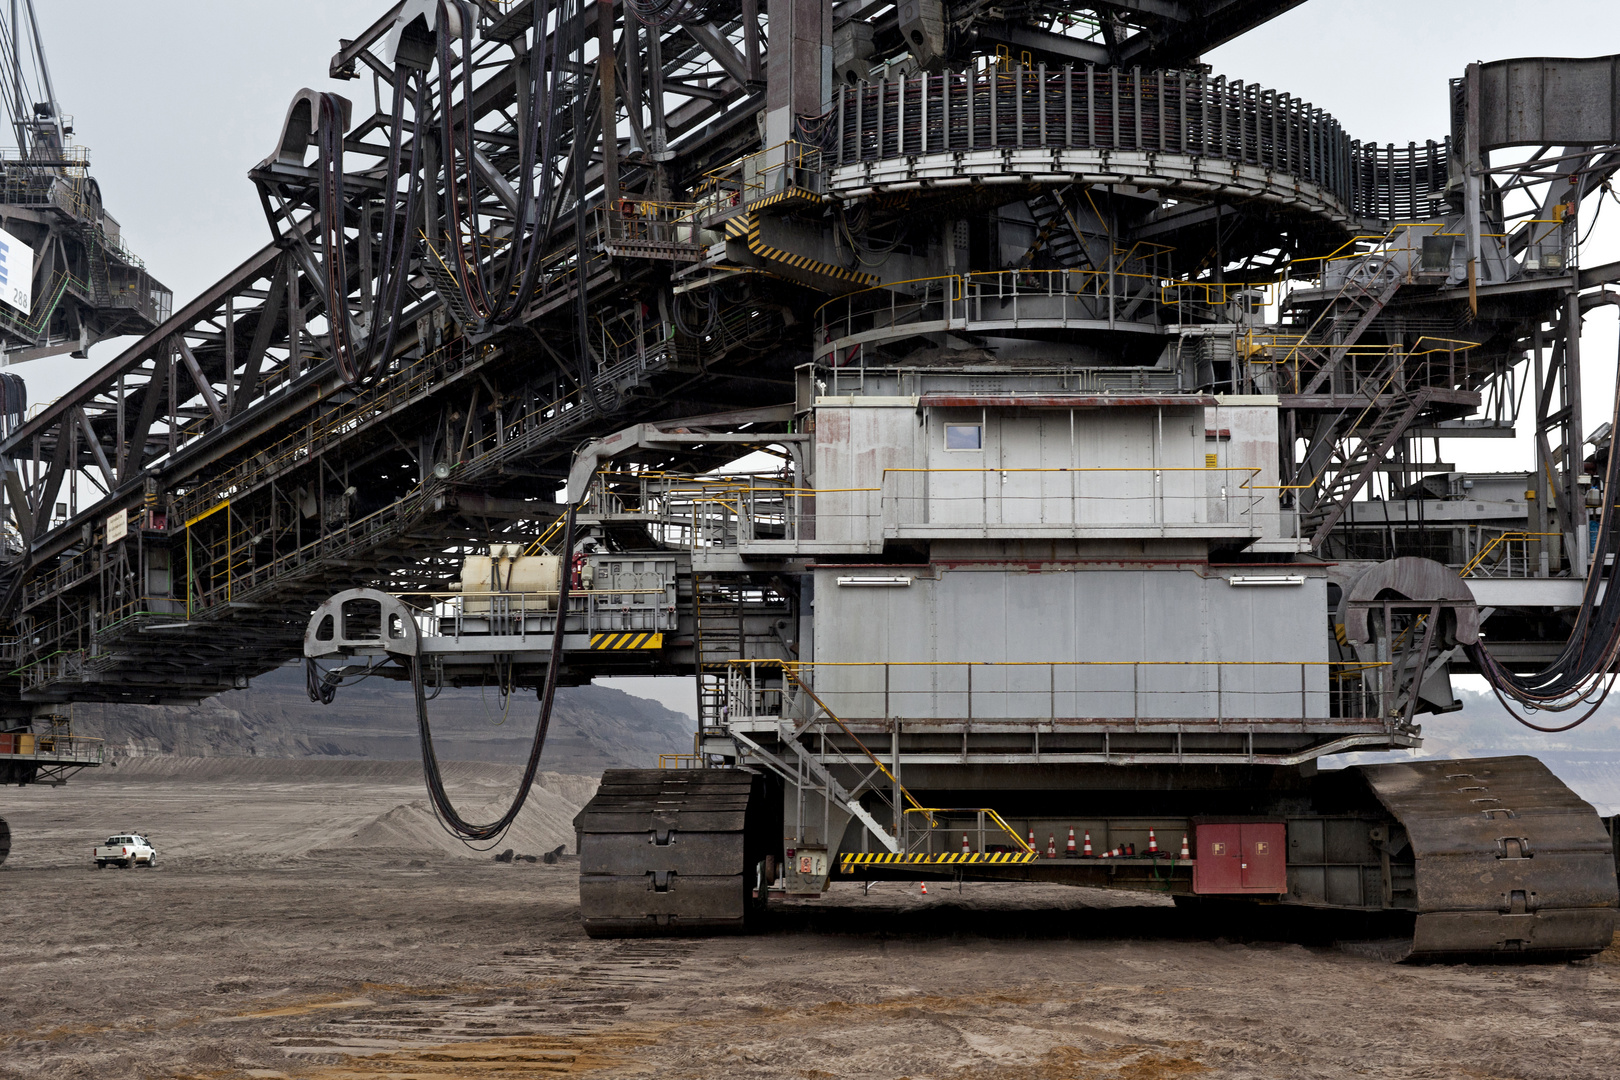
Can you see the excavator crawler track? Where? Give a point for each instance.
(664, 852)
(1509, 861)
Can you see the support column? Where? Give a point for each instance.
(798, 65)
(606, 70)
(1574, 432)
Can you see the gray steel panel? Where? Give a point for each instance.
(1549, 101)
(1027, 613)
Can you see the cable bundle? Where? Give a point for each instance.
(1584, 672)
(453, 822)
(357, 364)
(460, 172)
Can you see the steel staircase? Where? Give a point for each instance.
(447, 286)
(1056, 231)
(1376, 431)
(1367, 289)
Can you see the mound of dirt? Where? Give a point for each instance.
(193, 809)
(544, 824)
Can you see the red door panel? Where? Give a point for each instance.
(1218, 859)
(1265, 866)
(1240, 858)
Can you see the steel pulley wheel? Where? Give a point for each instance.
(1379, 270)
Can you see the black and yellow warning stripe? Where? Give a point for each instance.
(749, 233)
(888, 858)
(792, 194)
(631, 640)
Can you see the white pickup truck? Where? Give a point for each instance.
(130, 849)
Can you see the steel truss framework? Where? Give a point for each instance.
(538, 285)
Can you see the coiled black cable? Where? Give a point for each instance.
(453, 822)
(1584, 671)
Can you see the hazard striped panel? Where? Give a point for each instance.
(749, 233)
(631, 640)
(791, 195)
(886, 858)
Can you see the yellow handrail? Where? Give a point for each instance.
(789, 672)
(1023, 845)
(1474, 563)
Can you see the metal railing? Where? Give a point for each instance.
(1509, 555)
(1213, 692)
(1129, 290)
(942, 817)
(1079, 497)
(51, 749)
(523, 614)
(649, 229)
(731, 511)
(1159, 112)
(790, 166)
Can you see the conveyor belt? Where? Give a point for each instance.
(1508, 859)
(664, 851)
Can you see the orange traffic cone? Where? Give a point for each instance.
(1070, 852)
(1153, 843)
(1032, 840)
(965, 849)
(924, 885)
(1051, 845)
(1087, 852)
(1185, 854)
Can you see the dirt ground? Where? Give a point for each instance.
(300, 924)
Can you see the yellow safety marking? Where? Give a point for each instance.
(735, 230)
(795, 193)
(887, 858)
(632, 640)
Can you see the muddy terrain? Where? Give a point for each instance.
(308, 920)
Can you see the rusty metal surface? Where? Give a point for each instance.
(663, 851)
(1508, 859)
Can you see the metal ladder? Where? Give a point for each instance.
(717, 619)
(1334, 332)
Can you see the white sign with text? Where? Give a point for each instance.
(16, 273)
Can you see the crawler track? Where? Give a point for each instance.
(1508, 859)
(666, 851)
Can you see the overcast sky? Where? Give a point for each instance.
(177, 99)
